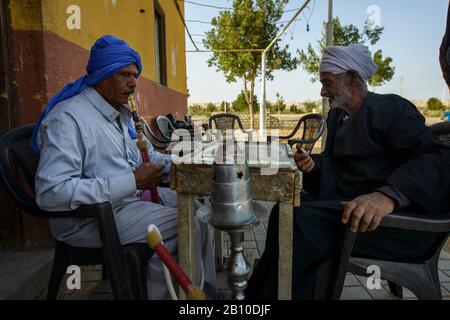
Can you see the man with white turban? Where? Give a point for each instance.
(379, 157)
(88, 154)
(444, 51)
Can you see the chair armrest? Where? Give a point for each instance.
(84, 211)
(28, 204)
(113, 252)
(346, 240)
(272, 138)
(419, 222)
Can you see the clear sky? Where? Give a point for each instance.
(413, 31)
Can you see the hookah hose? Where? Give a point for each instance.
(142, 146)
(155, 243)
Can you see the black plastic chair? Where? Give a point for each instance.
(312, 126)
(159, 142)
(126, 266)
(227, 121)
(420, 277)
(188, 119)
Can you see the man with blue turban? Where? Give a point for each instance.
(88, 154)
(379, 157)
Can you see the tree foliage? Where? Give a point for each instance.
(279, 105)
(310, 106)
(435, 104)
(211, 107)
(241, 105)
(252, 24)
(344, 35)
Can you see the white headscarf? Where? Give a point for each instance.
(340, 59)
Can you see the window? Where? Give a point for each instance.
(160, 46)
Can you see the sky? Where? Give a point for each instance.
(413, 31)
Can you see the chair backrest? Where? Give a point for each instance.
(188, 118)
(16, 155)
(165, 127)
(171, 118)
(158, 142)
(314, 125)
(311, 128)
(225, 121)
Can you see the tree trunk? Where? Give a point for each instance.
(249, 99)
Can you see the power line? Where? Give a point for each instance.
(311, 11)
(281, 22)
(225, 8)
(228, 50)
(184, 23)
(208, 22)
(310, 15)
(198, 21)
(247, 40)
(211, 6)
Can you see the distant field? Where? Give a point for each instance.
(430, 121)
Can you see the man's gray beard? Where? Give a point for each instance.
(344, 98)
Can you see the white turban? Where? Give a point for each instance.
(355, 57)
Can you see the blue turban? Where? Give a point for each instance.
(109, 55)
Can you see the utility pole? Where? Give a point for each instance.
(325, 104)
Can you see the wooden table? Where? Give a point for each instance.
(192, 179)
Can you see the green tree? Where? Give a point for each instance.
(241, 105)
(344, 36)
(279, 105)
(293, 108)
(251, 25)
(222, 106)
(195, 109)
(210, 108)
(435, 104)
(309, 106)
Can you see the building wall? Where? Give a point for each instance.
(49, 55)
(10, 217)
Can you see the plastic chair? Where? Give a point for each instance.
(421, 277)
(312, 126)
(188, 119)
(126, 266)
(227, 121)
(158, 142)
(165, 127)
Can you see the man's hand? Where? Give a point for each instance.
(365, 212)
(148, 175)
(304, 161)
